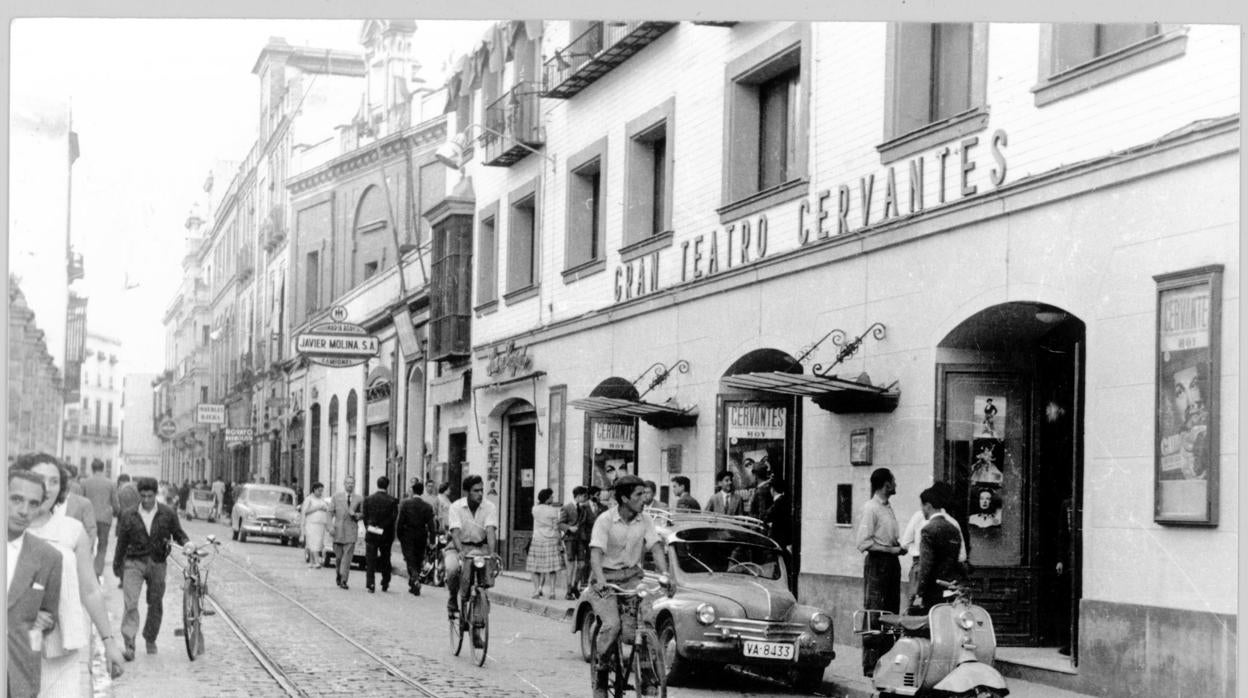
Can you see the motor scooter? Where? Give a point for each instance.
(434, 570)
(948, 652)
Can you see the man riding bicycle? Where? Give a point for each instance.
(617, 548)
(473, 524)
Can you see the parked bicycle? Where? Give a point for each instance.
(433, 572)
(635, 665)
(194, 590)
(479, 571)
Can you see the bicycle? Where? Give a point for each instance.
(474, 617)
(643, 665)
(194, 589)
(433, 572)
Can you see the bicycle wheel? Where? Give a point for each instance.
(457, 635)
(613, 677)
(480, 617)
(647, 667)
(192, 632)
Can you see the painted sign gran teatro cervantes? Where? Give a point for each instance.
(945, 175)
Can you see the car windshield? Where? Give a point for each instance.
(728, 557)
(202, 495)
(270, 497)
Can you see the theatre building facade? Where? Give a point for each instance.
(1001, 256)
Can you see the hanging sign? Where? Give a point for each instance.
(614, 436)
(755, 421)
(210, 414)
(337, 344)
(239, 436)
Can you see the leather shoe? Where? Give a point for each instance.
(385, 586)
(128, 652)
(370, 590)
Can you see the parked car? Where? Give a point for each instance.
(201, 505)
(732, 604)
(265, 510)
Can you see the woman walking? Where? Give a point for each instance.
(315, 519)
(545, 551)
(66, 649)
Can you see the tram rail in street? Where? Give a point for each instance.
(273, 667)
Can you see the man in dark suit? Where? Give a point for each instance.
(34, 586)
(725, 501)
(143, 535)
(380, 511)
(760, 502)
(414, 528)
(939, 543)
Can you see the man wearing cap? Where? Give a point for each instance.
(617, 547)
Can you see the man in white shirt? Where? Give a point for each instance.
(473, 524)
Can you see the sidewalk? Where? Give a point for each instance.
(843, 678)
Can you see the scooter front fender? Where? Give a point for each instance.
(969, 675)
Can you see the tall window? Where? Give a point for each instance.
(203, 393)
(487, 256)
(1075, 44)
(97, 416)
(205, 334)
(935, 85)
(110, 416)
(522, 240)
(312, 272)
(586, 206)
(768, 123)
(1075, 58)
(647, 185)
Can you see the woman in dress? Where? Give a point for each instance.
(66, 651)
(988, 509)
(545, 551)
(315, 519)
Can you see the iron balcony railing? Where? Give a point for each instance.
(595, 52)
(517, 116)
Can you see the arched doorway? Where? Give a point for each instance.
(353, 421)
(377, 455)
(331, 420)
(610, 440)
(414, 457)
(1009, 438)
(513, 486)
(314, 444)
(753, 428)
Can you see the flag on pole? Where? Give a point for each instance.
(73, 147)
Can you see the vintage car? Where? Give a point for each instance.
(201, 504)
(265, 510)
(731, 605)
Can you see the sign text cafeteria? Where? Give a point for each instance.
(333, 344)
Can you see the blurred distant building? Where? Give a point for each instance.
(139, 450)
(93, 422)
(34, 381)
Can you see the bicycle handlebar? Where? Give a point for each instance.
(198, 550)
(644, 588)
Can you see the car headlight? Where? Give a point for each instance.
(820, 622)
(966, 620)
(251, 516)
(706, 614)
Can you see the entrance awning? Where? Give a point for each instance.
(449, 388)
(834, 394)
(658, 416)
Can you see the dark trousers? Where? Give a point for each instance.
(881, 590)
(414, 560)
(137, 572)
(377, 554)
(101, 544)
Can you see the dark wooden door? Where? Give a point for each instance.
(521, 462)
(984, 447)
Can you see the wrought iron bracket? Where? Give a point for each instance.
(661, 374)
(847, 349)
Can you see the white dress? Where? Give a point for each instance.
(63, 662)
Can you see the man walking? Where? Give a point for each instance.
(725, 501)
(940, 543)
(218, 497)
(380, 511)
(881, 575)
(102, 494)
(683, 501)
(143, 536)
(345, 509)
(571, 516)
(127, 494)
(34, 586)
(414, 529)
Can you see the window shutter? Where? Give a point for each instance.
(912, 91)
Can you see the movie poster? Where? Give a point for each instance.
(1185, 457)
(755, 434)
(613, 445)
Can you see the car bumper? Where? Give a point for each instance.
(261, 528)
(731, 651)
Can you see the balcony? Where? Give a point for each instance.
(273, 229)
(517, 116)
(245, 267)
(595, 53)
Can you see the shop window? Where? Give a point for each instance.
(587, 208)
(1077, 57)
(844, 505)
(648, 178)
(768, 121)
(522, 244)
(487, 257)
(935, 85)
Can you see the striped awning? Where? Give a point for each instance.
(658, 416)
(832, 393)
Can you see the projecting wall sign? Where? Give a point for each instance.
(337, 344)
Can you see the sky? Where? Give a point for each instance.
(155, 104)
